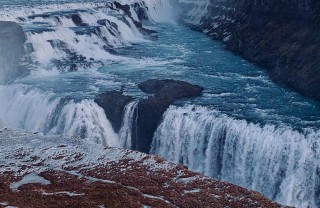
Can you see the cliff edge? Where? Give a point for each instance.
(37, 171)
(282, 36)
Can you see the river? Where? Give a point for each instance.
(244, 129)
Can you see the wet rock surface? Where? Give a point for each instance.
(280, 35)
(79, 174)
(12, 39)
(113, 104)
(170, 89)
(150, 110)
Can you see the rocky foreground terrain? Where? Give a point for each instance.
(37, 171)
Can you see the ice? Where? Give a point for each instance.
(31, 178)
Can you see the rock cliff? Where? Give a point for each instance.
(280, 35)
(148, 115)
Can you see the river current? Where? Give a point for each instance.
(244, 129)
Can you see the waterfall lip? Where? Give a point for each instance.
(129, 121)
(276, 161)
(207, 135)
(78, 28)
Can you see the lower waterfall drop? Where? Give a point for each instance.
(281, 163)
(125, 133)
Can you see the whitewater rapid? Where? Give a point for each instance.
(241, 130)
(279, 162)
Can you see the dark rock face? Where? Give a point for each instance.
(141, 11)
(12, 39)
(76, 19)
(280, 35)
(151, 109)
(113, 103)
(170, 89)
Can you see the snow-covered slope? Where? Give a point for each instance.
(37, 171)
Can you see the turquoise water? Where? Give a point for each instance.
(232, 85)
(244, 129)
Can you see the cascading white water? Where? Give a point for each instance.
(193, 10)
(279, 162)
(162, 10)
(85, 43)
(125, 133)
(37, 111)
(53, 36)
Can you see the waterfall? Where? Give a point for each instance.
(56, 44)
(281, 163)
(125, 133)
(36, 111)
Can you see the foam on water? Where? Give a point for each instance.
(162, 11)
(126, 129)
(37, 111)
(279, 162)
(54, 40)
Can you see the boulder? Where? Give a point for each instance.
(113, 104)
(123, 7)
(150, 110)
(77, 20)
(169, 88)
(12, 39)
(126, 9)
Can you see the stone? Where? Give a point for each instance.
(77, 20)
(113, 104)
(12, 38)
(150, 110)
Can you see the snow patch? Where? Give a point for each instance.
(29, 179)
(191, 191)
(62, 193)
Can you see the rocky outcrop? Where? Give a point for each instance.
(281, 35)
(113, 104)
(150, 110)
(12, 39)
(142, 11)
(77, 20)
(51, 172)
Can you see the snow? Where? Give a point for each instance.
(187, 180)
(20, 149)
(156, 197)
(192, 191)
(62, 193)
(29, 179)
(3, 203)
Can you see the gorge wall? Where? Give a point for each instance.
(280, 35)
